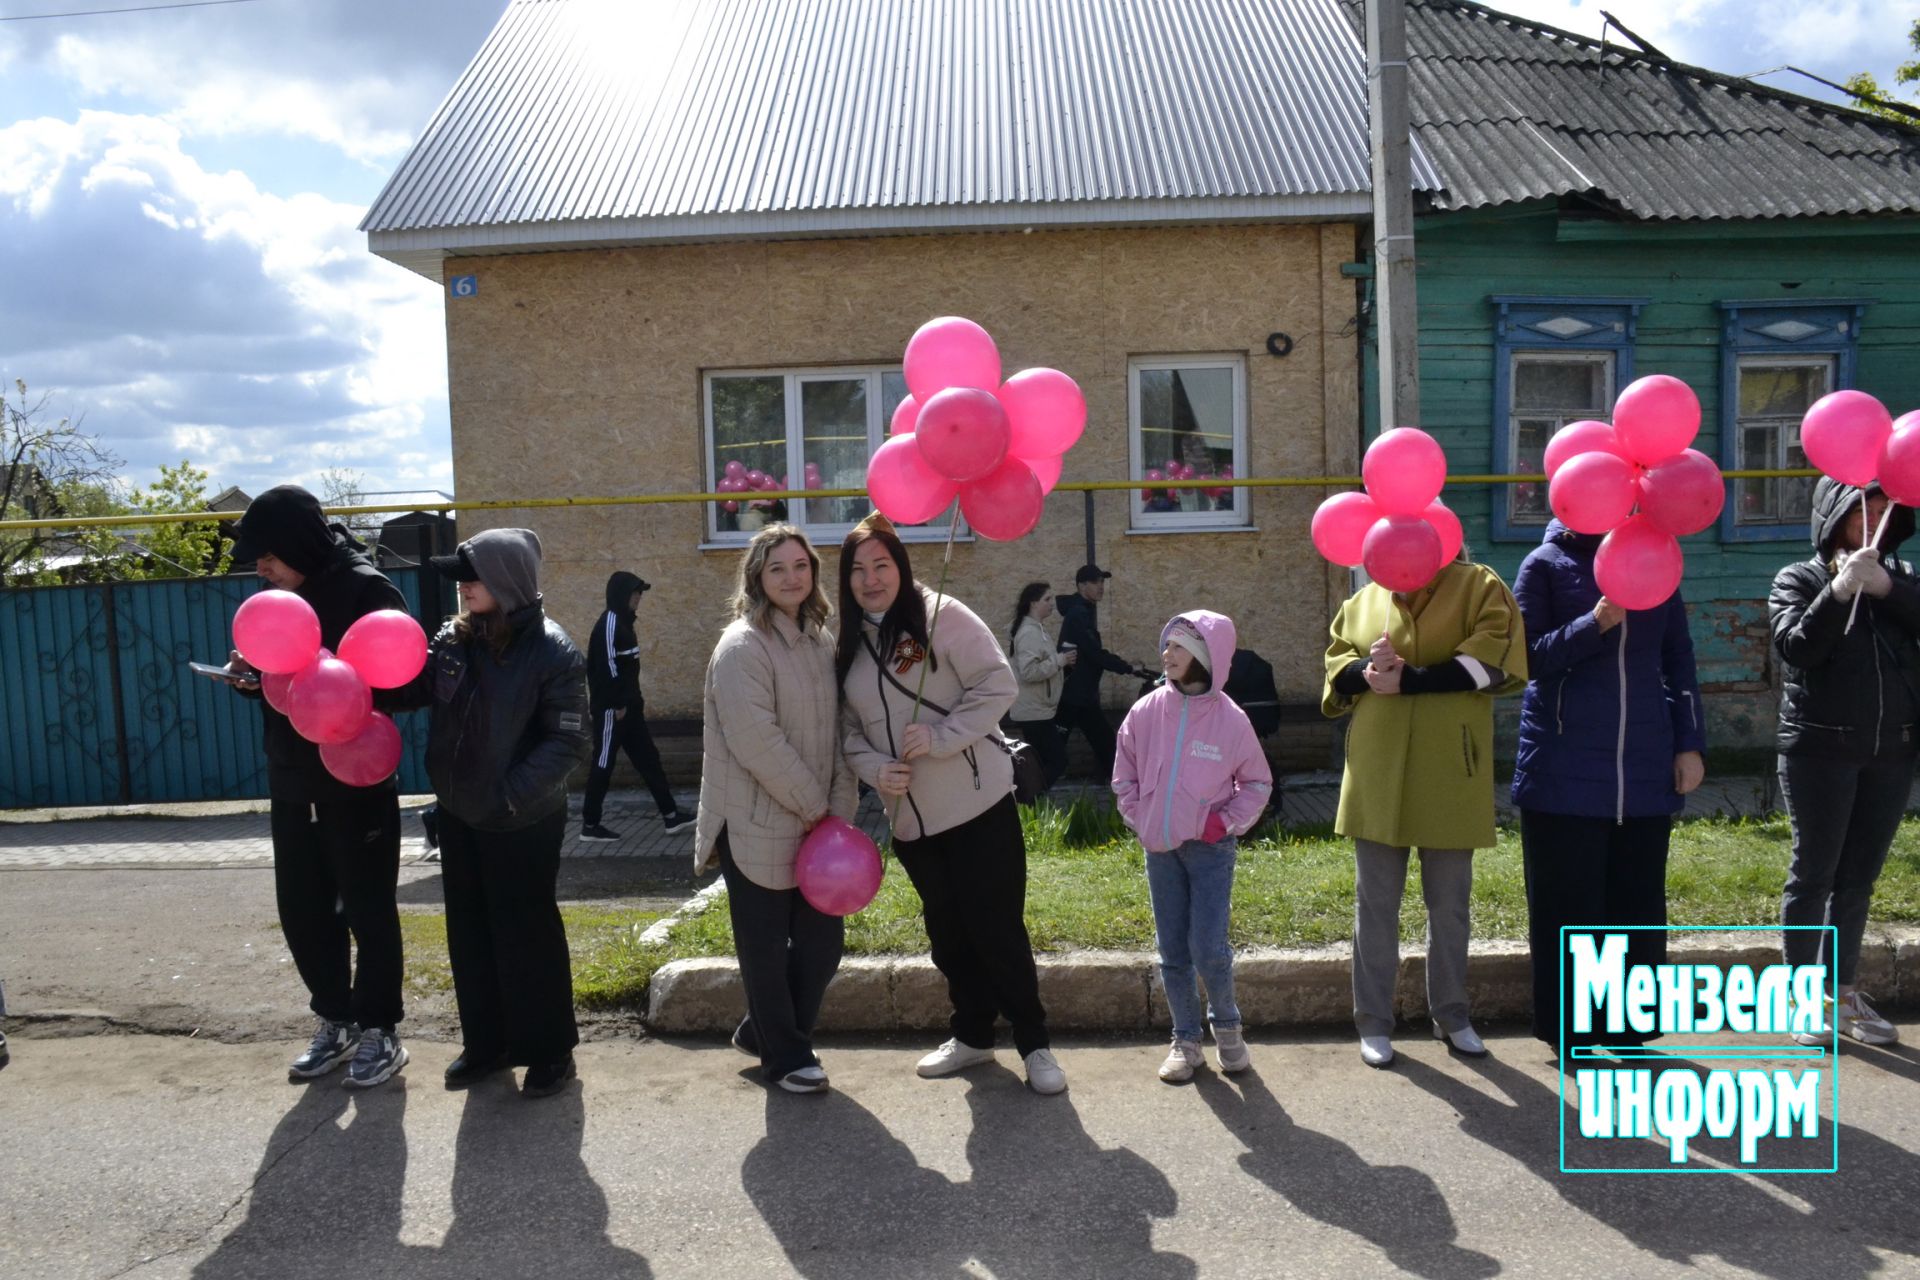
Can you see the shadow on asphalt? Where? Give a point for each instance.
(326, 1201)
(581, 880)
(1689, 1219)
(848, 1201)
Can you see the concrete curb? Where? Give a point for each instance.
(1121, 991)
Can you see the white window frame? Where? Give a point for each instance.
(1604, 357)
(1787, 426)
(1186, 521)
(817, 531)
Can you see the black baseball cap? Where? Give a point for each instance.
(458, 566)
(1089, 573)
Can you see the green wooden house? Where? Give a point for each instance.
(1606, 213)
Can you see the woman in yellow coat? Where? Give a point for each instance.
(1418, 672)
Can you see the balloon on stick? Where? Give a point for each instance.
(1898, 469)
(1447, 525)
(903, 486)
(950, 351)
(1341, 524)
(962, 433)
(1592, 492)
(905, 414)
(1683, 494)
(1586, 436)
(1638, 566)
(1401, 553)
(1842, 433)
(1046, 413)
(1004, 504)
(1047, 470)
(1655, 417)
(1404, 470)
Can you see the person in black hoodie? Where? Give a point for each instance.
(1080, 699)
(1848, 713)
(620, 712)
(336, 848)
(509, 727)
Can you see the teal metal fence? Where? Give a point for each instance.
(98, 706)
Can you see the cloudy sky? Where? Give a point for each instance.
(179, 190)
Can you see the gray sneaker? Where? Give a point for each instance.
(333, 1043)
(380, 1055)
(1858, 1019)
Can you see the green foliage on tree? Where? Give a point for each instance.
(1875, 99)
(175, 550)
(46, 462)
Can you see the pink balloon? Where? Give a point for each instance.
(1899, 468)
(1153, 473)
(1005, 503)
(276, 631)
(1655, 417)
(1047, 470)
(730, 507)
(1683, 494)
(950, 352)
(1401, 553)
(730, 485)
(1340, 526)
(330, 703)
(1447, 525)
(1585, 436)
(812, 470)
(1592, 492)
(1842, 434)
(757, 479)
(838, 868)
(1045, 413)
(903, 486)
(962, 433)
(276, 685)
(1638, 566)
(387, 648)
(904, 416)
(815, 482)
(369, 757)
(736, 470)
(1404, 470)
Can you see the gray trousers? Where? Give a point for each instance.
(1446, 882)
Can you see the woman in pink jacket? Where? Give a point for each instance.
(1191, 779)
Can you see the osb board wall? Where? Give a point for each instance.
(580, 374)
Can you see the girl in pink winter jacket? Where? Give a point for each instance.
(1191, 779)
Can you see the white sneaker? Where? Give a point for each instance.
(804, 1080)
(1376, 1051)
(1231, 1048)
(1181, 1060)
(951, 1057)
(1464, 1041)
(1043, 1072)
(1857, 1019)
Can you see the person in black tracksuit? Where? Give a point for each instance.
(336, 848)
(509, 726)
(1080, 699)
(1848, 716)
(620, 711)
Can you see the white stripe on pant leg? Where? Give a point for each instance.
(606, 739)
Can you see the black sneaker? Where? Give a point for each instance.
(598, 832)
(5, 1057)
(677, 822)
(547, 1078)
(380, 1055)
(471, 1068)
(333, 1044)
(430, 820)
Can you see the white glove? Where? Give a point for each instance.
(1852, 576)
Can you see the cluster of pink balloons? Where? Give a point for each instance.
(1640, 484)
(838, 868)
(962, 432)
(1399, 529)
(1853, 438)
(1177, 470)
(329, 698)
(738, 477)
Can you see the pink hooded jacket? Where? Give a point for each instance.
(1182, 758)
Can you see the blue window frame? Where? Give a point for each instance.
(1776, 359)
(1556, 360)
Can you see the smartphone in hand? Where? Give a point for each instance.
(220, 673)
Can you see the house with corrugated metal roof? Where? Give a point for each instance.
(1606, 212)
(688, 236)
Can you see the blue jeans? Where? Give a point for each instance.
(1192, 892)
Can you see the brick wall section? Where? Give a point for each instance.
(579, 373)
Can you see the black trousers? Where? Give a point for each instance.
(972, 882)
(1048, 739)
(628, 734)
(788, 954)
(512, 976)
(1844, 816)
(1590, 871)
(1091, 722)
(336, 865)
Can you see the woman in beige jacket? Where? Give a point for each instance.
(770, 768)
(1040, 666)
(945, 774)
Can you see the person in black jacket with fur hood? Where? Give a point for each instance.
(1848, 717)
(620, 712)
(509, 728)
(336, 848)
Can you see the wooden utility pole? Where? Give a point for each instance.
(1394, 300)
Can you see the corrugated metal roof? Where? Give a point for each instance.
(1512, 110)
(606, 121)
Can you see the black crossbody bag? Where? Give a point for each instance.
(1029, 775)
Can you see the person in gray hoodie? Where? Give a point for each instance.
(509, 727)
